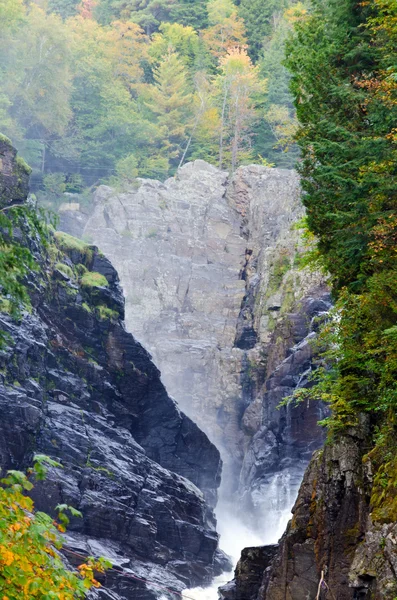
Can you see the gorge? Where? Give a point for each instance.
(77, 387)
(210, 269)
(198, 300)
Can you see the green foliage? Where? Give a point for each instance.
(93, 279)
(94, 92)
(342, 58)
(105, 313)
(258, 16)
(65, 269)
(86, 307)
(30, 563)
(170, 100)
(68, 244)
(16, 259)
(54, 184)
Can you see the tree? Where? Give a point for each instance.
(37, 77)
(149, 14)
(342, 59)
(169, 99)
(274, 133)
(341, 133)
(64, 8)
(226, 29)
(180, 39)
(238, 84)
(191, 13)
(260, 18)
(11, 13)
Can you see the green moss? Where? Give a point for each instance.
(65, 269)
(80, 269)
(86, 307)
(5, 306)
(100, 469)
(22, 166)
(93, 279)
(68, 243)
(53, 253)
(5, 140)
(106, 313)
(288, 296)
(279, 268)
(71, 291)
(383, 458)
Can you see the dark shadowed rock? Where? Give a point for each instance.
(74, 385)
(249, 573)
(14, 175)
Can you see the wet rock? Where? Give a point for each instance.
(332, 535)
(14, 175)
(196, 257)
(74, 385)
(249, 573)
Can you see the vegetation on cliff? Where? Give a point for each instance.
(30, 563)
(92, 91)
(342, 57)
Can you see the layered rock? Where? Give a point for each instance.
(208, 265)
(332, 548)
(14, 175)
(74, 385)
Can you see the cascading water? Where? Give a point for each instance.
(272, 497)
(276, 502)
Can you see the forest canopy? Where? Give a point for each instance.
(97, 90)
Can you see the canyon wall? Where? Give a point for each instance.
(210, 268)
(332, 549)
(75, 386)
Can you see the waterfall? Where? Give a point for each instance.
(275, 501)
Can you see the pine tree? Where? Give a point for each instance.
(169, 99)
(330, 58)
(259, 17)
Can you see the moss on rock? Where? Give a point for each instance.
(93, 279)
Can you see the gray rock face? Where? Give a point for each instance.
(283, 439)
(178, 250)
(207, 265)
(14, 175)
(331, 538)
(332, 533)
(74, 385)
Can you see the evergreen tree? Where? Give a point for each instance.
(342, 58)
(64, 8)
(149, 14)
(259, 17)
(191, 13)
(340, 135)
(169, 99)
(184, 41)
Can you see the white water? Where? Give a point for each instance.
(275, 501)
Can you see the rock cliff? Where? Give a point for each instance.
(74, 385)
(213, 289)
(332, 548)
